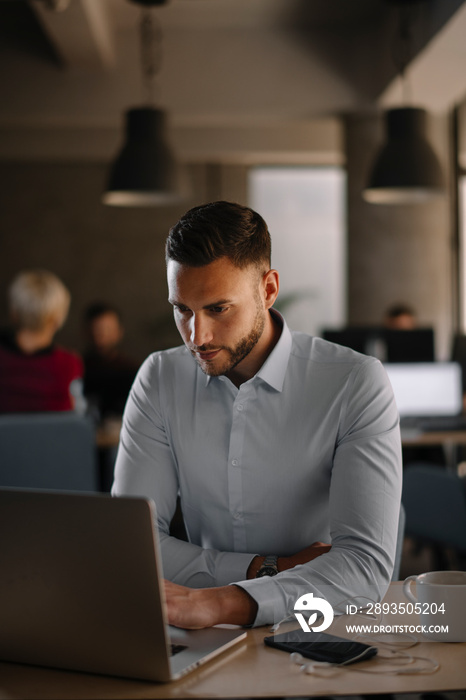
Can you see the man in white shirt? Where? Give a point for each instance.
(275, 441)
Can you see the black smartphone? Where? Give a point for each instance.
(322, 647)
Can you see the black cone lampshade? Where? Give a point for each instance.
(406, 170)
(145, 172)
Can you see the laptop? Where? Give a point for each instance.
(81, 589)
(429, 395)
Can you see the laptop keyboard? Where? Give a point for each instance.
(176, 648)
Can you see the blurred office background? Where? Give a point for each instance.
(278, 104)
(262, 97)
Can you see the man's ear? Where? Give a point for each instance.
(271, 284)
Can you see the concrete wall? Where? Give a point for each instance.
(397, 252)
(51, 216)
(51, 180)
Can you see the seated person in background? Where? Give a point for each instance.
(108, 373)
(36, 374)
(400, 317)
(276, 441)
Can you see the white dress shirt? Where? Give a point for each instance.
(307, 450)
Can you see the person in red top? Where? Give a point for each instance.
(36, 374)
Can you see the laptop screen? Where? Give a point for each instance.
(426, 388)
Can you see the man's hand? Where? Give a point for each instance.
(195, 608)
(307, 554)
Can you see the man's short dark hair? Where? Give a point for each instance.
(220, 229)
(399, 309)
(100, 308)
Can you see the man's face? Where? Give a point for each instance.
(402, 322)
(106, 332)
(220, 312)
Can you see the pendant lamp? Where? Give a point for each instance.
(406, 169)
(145, 172)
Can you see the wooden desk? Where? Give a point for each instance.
(250, 670)
(108, 433)
(456, 437)
(450, 441)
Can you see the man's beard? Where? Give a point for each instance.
(236, 354)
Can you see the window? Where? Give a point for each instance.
(305, 210)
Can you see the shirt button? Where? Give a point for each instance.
(240, 407)
(234, 462)
(237, 516)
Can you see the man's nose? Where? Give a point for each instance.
(201, 330)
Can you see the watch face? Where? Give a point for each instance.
(267, 571)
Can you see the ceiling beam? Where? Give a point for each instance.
(80, 31)
(436, 76)
(317, 142)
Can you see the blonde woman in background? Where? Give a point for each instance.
(35, 373)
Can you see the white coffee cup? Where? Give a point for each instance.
(440, 601)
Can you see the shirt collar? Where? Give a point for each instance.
(274, 368)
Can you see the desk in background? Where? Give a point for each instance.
(250, 670)
(447, 438)
(450, 441)
(108, 433)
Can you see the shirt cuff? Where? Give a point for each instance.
(270, 603)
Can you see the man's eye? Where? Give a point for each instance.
(181, 309)
(218, 309)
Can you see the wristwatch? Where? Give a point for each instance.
(269, 566)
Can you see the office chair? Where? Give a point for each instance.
(435, 503)
(48, 451)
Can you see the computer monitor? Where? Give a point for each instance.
(386, 344)
(416, 345)
(426, 388)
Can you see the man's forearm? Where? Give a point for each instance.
(237, 607)
(284, 563)
(194, 608)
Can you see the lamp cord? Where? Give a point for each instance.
(151, 53)
(403, 47)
